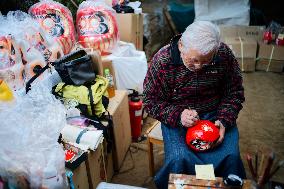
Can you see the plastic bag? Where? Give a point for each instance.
(57, 20)
(96, 25)
(25, 47)
(271, 33)
(221, 12)
(130, 66)
(29, 132)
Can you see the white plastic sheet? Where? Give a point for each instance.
(130, 66)
(29, 131)
(229, 12)
(104, 185)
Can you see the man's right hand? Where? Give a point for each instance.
(189, 117)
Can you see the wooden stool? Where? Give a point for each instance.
(154, 136)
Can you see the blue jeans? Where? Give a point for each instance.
(181, 160)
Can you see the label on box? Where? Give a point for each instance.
(205, 172)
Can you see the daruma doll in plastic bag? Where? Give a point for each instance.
(96, 26)
(38, 39)
(36, 46)
(11, 66)
(37, 51)
(57, 20)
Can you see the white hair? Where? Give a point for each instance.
(202, 36)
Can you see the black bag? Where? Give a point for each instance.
(76, 68)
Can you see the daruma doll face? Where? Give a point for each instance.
(56, 20)
(97, 28)
(7, 53)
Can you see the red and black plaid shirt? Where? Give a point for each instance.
(169, 87)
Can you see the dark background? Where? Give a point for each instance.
(262, 11)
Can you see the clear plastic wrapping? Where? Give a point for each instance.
(29, 133)
(25, 46)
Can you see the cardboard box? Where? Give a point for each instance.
(273, 66)
(274, 52)
(255, 32)
(95, 165)
(80, 178)
(130, 27)
(242, 47)
(119, 111)
(228, 31)
(106, 63)
(247, 64)
(96, 58)
(190, 182)
(100, 165)
(108, 162)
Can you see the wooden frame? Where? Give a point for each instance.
(150, 142)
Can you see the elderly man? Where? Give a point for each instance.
(196, 77)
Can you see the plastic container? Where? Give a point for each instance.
(110, 88)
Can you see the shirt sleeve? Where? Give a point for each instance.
(233, 93)
(155, 95)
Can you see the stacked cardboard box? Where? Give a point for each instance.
(243, 42)
(130, 27)
(270, 58)
(244, 50)
(255, 32)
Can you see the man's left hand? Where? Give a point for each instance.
(222, 130)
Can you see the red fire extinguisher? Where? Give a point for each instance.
(135, 111)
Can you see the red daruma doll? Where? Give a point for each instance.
(57, 20)
(96, 26)
(201, 136)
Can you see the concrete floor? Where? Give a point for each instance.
(260, 123)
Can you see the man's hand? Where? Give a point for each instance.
(222, 130)
(189, 117)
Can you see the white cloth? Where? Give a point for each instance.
(88, 140)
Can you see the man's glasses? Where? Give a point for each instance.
(194, 64)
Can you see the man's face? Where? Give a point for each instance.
(193, 59)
